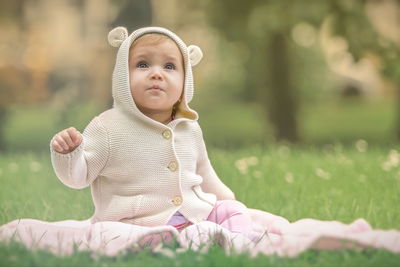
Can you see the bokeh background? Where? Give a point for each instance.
(307, 72)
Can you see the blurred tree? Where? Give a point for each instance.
(264, 27)
(16, 74)
(40, 58)
(132, 14)
(12, 11)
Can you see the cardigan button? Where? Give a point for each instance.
(166, 134)
(172, 166)
(177, 201)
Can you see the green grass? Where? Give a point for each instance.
(348, 120)
(329, 183)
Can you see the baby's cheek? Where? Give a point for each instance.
(133, 80)
(133, 94)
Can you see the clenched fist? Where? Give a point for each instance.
(67, 140)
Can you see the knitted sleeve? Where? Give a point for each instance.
(211, 182)
(79, 168)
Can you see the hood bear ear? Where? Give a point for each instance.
(195, 54)
(117, 35)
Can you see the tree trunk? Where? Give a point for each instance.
(282, 101)
(397, 127)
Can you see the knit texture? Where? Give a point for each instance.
(142, 171)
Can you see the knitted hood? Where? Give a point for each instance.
(123, 99)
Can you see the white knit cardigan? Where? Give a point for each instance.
(142, 171)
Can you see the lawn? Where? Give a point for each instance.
(330, 182)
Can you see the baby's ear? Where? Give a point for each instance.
(117, 35)
(195, 54)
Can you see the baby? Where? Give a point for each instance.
(145, 158)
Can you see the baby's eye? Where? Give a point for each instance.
(142, 65)
(170, 66)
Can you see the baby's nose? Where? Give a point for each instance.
(156, 73)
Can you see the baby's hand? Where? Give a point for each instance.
(67, 140)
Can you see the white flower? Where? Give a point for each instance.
(392, 160)
(342, 159)
(322, 174)
(289, 178)
(328, 149)
(241, 165)
(35, 166)
(252, 161)
(361, 145)
(244, 164)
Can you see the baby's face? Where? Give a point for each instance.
(156, 76)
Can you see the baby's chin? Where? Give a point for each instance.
(152, 108)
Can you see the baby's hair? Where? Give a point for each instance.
(151, 39)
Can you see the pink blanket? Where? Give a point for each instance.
(272, 235)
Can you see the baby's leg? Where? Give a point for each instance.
(232, 215)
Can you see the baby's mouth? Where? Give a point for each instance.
(155, 87)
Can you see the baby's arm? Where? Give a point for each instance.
(211, 182)
(77, 160)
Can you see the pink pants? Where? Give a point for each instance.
(232, 215)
